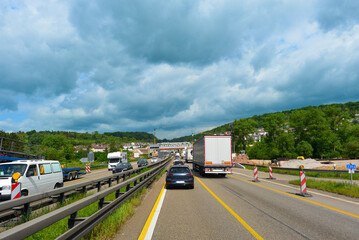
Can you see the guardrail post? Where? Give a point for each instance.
(27, 211)
(128, 187)
(71, 221)
(117, 194)
(100, 203)
(98, 186)
(84, 190)
(118, 179)
(109, 182)
(135, 183)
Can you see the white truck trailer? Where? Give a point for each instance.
(189, 155)
(115, 158)
(213, 155)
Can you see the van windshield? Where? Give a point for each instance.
(7, 170)
(114, 160)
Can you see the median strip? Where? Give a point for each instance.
(254, 233)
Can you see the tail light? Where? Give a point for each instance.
(189, 175)
(170, 175)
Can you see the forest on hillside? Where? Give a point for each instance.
(326, 131)
(60, 144)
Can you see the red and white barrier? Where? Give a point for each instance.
(270, 173)
(15, 190)
(255, 170)
(303, 184)
(88, 168)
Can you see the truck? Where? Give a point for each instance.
(71, 173)
(188, 155)
(213, 155)
(115, 158)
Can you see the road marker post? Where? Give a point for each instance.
(88, 169)
(255, 171)
(15, 186)
(270, 173)
(303, 184)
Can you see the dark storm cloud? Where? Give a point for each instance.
(138, 65)
(333, 14)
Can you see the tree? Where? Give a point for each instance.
(274, 124)
(286, 145)
(240, 132)
(304, 149)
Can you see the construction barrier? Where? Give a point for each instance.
(255, 170)
(15, 190)
(303, 184)
(270, 173)
(88, 168)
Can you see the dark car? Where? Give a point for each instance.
(179, 176)
(142, 162)
(121, 167)
(178, 162)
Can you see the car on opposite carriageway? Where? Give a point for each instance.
(142, 162)
(121, 167)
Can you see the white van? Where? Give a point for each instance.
(115, 158)
(36, 176)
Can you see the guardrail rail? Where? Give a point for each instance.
(79, 227)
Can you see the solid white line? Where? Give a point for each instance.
(152, 226)
(311, 190)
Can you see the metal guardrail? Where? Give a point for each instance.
(305, 169)
(14, 148)
(79, 227)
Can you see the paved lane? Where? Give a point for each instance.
(272, 210)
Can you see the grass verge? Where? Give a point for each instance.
(343, 188)
(309, 174)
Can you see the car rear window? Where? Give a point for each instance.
(180, 170)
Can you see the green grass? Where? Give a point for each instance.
(309, 174)
(343, 188)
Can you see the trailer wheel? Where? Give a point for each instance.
(69, 176)
(76, 176)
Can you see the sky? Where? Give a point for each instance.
(137, 65)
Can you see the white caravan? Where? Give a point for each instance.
(115, 158)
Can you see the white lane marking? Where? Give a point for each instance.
(152, 226)
(321, 194)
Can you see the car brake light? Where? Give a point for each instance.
(170, 175)
(189, 175)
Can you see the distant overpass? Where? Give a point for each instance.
(174, 145)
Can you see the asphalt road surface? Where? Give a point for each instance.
(236, 208)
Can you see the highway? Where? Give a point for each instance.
(236, 208)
